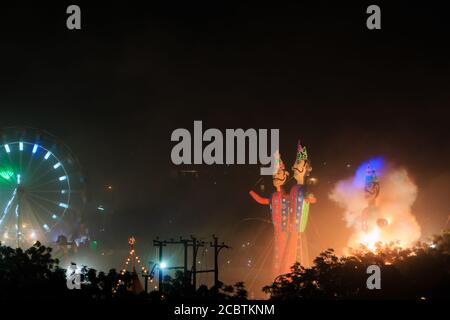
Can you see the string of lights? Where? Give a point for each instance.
(131, 262)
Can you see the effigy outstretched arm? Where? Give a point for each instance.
(258, 198)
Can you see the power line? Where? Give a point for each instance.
(190, 277)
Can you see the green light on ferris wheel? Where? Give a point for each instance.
(6, 174)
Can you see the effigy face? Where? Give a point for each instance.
(372, 191)
(372, 186)
(301, 169)
(279, 178)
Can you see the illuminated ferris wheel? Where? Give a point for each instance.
(41, 188)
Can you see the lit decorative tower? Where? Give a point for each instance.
(130, 264)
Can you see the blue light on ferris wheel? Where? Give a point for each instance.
(47, 155)
(63, 205)
(62, 178)
(34, 148)
(56, 166)
(21, 146)
(7, 148)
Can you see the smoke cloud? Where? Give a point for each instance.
(397, 195)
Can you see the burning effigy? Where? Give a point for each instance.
(377, 203)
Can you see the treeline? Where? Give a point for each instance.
(33, 274)
(418, 273)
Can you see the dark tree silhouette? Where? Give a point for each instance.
(176, 288)
(30, 273)
(422, 272)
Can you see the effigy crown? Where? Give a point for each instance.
(302, 153)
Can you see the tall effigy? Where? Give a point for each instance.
(289, 212)
(279, 211)
(299, 199)
(371, 216)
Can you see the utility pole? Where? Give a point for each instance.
(195, 244)
(185, 265)
(194, 262)
(186, 243)
(160, 245)
(148, 275)
(217, 247)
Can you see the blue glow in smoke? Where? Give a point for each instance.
(376, 163)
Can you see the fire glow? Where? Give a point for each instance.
(393, 220)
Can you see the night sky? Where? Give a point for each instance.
(115, 90)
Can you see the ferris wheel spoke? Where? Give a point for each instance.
(9, 158)
(8, 206)
(36, 170)
(3, 218)
(58, 191)
(38, 187)
(59, 222)
(9, 187)
(38, 167)
(7, 222)
(56, 203)
(34, 219)
(34, 181)
(20, 162)
(37, 204)
(29, 165)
